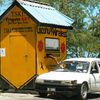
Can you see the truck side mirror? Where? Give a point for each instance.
(94, 71)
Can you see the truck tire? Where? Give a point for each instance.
(83, 92)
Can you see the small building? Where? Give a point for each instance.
(31, 36)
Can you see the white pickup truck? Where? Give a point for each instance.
(75, 76)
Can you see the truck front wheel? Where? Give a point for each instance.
(83, 92)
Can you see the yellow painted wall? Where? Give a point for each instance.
(45, 64)
(18, 65)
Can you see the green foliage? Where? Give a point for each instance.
(1, 1)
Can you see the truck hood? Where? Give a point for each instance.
(60, 76)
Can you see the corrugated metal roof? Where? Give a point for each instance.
(45, 14)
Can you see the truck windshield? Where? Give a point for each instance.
(76, 66)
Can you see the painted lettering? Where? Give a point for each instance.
(17, 14)
(18, 29)
(51, 31)
(17, 17)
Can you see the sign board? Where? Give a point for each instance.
(2, 52)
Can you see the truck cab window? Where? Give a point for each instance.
(94, 68)
(99, 64)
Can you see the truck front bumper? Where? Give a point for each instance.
(70, 90)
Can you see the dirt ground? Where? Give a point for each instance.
(19, 95)
(15, 96)
(34, 96)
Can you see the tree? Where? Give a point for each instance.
(85, 43)
(1, 1)
(93, 14)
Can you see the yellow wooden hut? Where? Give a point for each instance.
(30, 33)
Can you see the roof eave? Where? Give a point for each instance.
(56, 26)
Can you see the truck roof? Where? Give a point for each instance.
(83, 59)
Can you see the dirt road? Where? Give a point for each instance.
(15, 96)
(29, 96)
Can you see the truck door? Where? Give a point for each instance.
(95, 77)
(98, 87)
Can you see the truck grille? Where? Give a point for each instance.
(52, 82)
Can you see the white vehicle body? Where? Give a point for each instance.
(81, 76)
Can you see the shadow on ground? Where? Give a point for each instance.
(94, 96)
(56, 97)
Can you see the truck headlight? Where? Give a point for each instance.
(73, 82)
(39, 81)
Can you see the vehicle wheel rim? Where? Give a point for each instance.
(84, 91)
